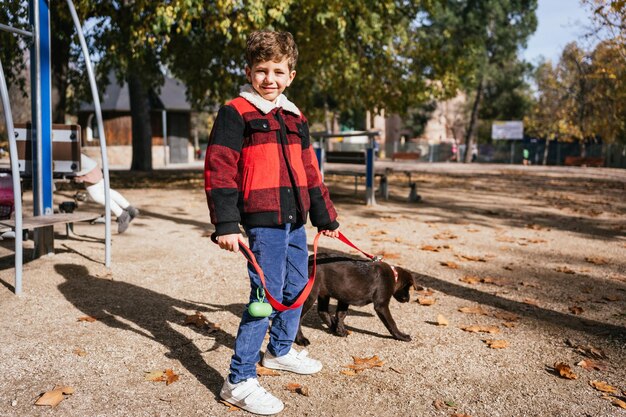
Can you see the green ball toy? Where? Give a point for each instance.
(260, 308)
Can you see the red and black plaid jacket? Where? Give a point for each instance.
(261, 170)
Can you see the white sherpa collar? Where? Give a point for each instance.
(267, 106)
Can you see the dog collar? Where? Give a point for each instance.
(395, 273)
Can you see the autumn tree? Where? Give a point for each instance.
(609, 18)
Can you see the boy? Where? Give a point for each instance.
(261, 171)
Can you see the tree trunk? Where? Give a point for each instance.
(141, 127)
(473, 120)
(545, 151)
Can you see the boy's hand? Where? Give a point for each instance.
(229, 242)
(331, 233)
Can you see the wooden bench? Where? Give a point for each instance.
(345, 157)
(34, 222)
(352, 158)
(580, 161)
(406, 156)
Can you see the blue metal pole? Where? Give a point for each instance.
(41, 108)
(320, 155)
(41, 85)
(369, 174)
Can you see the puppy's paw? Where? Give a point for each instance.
(403, 337)
(341, 332)
(302, 341)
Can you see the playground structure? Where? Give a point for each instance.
(41, 134)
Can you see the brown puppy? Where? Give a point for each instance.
(356, 282)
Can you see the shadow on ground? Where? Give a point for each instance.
(149, 311)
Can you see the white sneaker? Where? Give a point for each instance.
(251, 396)
(293, 361)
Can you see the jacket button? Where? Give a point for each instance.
(264, 125)
(288, 190)
(290, 217)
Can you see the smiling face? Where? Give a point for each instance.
(269, 78)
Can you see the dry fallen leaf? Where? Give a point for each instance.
(450, 264)
(530, 301)
(603, 386)
(426, 292)
(564, 370)
(597, 260)
(88, 319)
(481, 329)
(439, 404)
(493, 281)
(390, 255)
(423, 301)
(564, 269)
(79, 352)
(617, 402)
(587, 350)
(349, 372)
(611, 298)
(168, 376)
(230, 406)
(430, 248)
(470, 279)
(505, 239)
(474, 310)
(576, 310)
(361, 364)
(54, 397)
(154, 376)
(460, 415)
(441, 320)
(445, 236)
(199, 320)
(263, 371)
(589, 365)
(470, 258)
(509, 324)
(378, 232)
(505, 315)
(496, 344)
(297, 389)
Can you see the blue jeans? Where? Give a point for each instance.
(283, 255)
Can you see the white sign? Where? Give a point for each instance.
(507, 130)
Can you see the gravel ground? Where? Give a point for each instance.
(548, 244)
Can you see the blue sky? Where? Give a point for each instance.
(559, 22)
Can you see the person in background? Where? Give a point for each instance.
(91, 175)
(526, 156)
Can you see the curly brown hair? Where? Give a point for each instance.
(265, 45)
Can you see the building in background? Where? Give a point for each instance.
(170, 109)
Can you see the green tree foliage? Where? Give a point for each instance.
(484, 35)
(14, 14)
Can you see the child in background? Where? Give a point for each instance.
(91, 175)
(261, 172)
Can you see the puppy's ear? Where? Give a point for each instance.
(416, 286)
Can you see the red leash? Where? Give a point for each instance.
(305, 292)
(277, 305)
